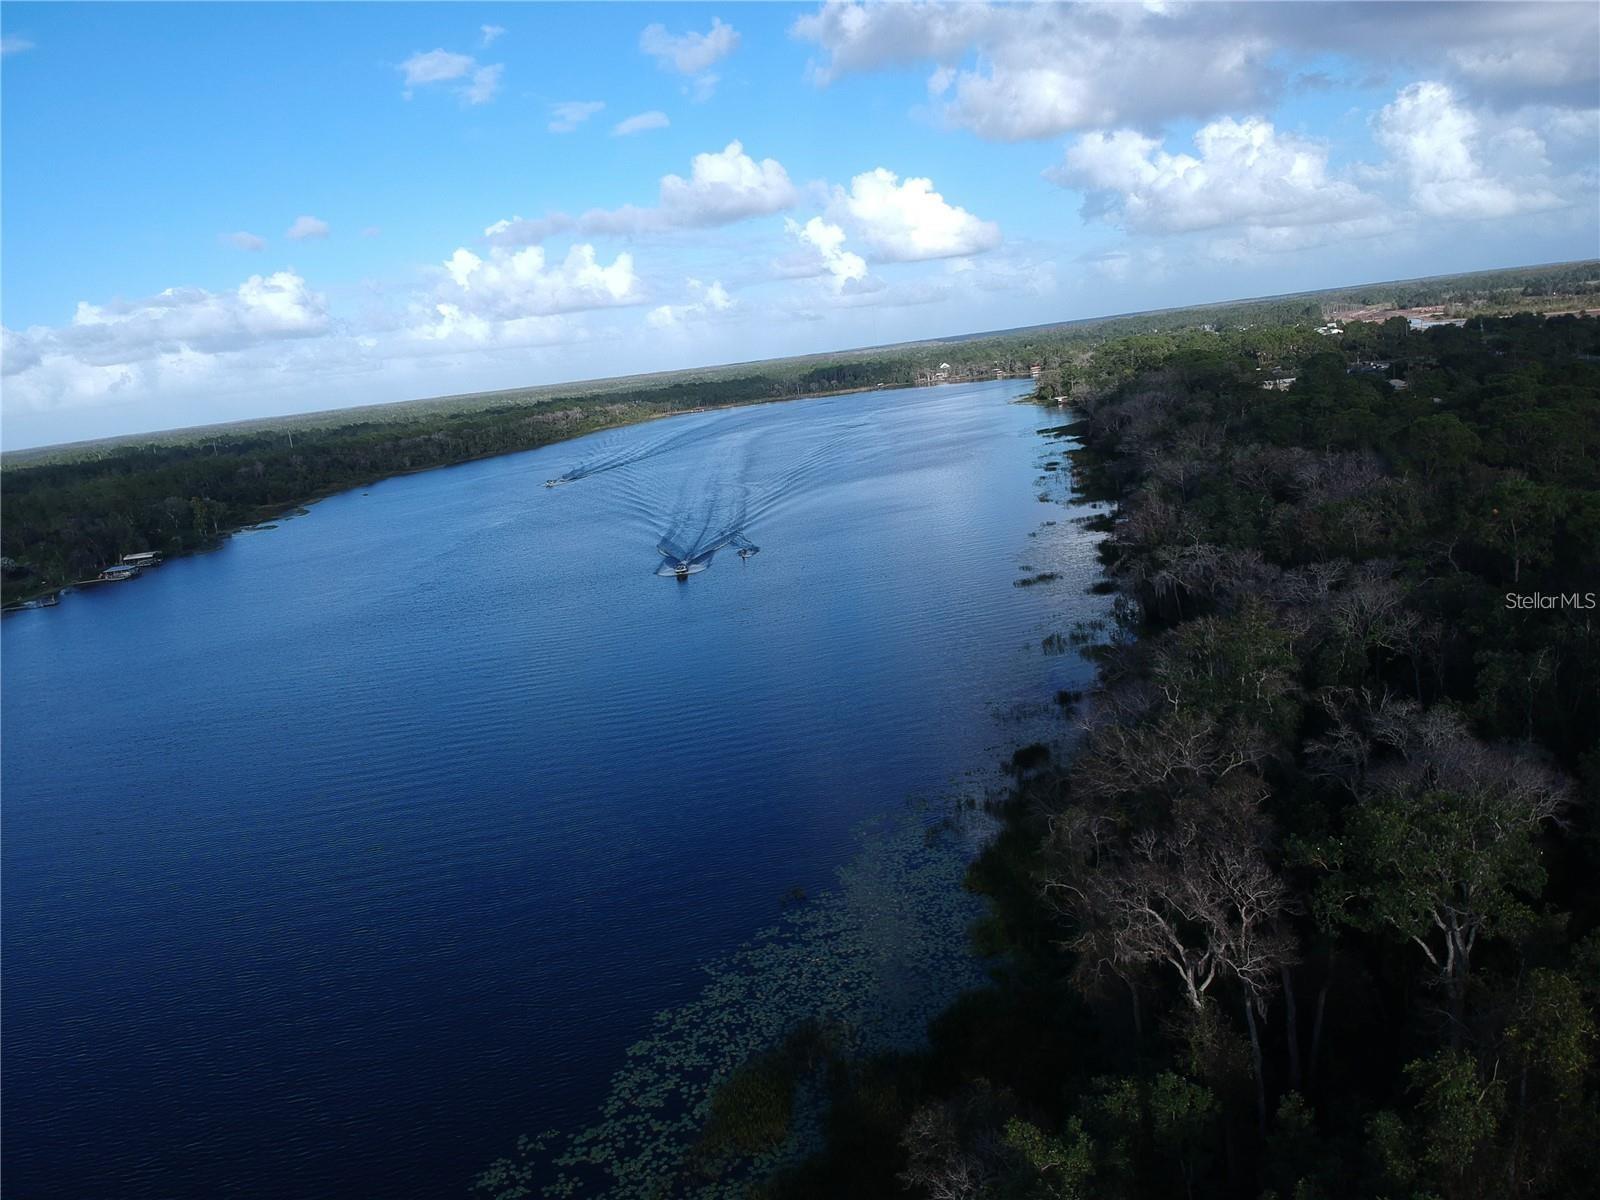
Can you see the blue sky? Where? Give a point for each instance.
(797, 178)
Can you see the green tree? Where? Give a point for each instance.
(1441, 850)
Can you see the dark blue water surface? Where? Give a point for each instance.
(337, 857)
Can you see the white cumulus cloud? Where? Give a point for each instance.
(826, 242)
(522, 283)
(726, 186)
(1436, 143)
(263, 308)
(1244, 173)
(244, 241)
(723, 186)
(706, 300)
(489, 33)
(907, 221)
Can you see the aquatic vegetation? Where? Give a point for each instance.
(718, 1082)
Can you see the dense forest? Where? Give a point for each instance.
(71, 511)
(1310, 910)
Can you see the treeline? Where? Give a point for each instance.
(65, 520)
(1577, 280)
(1310, 913)
(68, 516)
(70, 512)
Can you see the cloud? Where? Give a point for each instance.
(436, 66)
(826, 241)
(489, 33)
(1501, 55)
(907, 221)
(306, 227)
(723, 187)
(274, 334)
(1266, 191)
(519, 231)
(1437, 146)
(182, 339)
(691, 54)
(264, 308)
(12, 44)
(1042, 70)
(478, 84)
(1014, 72)
(1011, 274)
(485, 84)
(17, 353)
(708, 301)
(243, 240)
(513, 284)
(640, 123)
(371, 231)
(569, 114)
(1245, 173)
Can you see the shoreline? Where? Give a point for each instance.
(32, 600)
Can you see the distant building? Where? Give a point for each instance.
(1034, 370)
(120, 571)
(1329, 330)
(145, 558)
(1278, 385)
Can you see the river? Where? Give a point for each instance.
(338, 857)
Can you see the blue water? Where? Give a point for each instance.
(335, 858)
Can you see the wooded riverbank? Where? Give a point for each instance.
(1308, 912)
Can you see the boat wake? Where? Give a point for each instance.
(727, 504)
(613, 457)
(730, 485)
